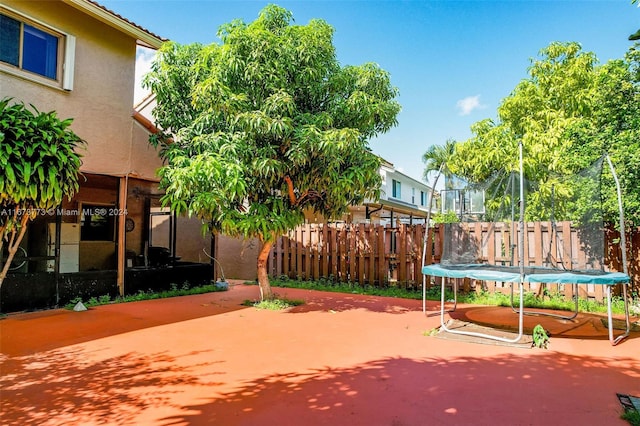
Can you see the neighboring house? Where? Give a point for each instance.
(77, 58)
(402, 198)
(467, 203)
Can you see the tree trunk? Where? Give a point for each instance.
(263, 279)
(12, 246)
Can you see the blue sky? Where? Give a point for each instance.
(452, 61)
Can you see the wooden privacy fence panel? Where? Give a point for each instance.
(362, 253)
(378, 255)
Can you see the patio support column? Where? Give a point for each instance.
(121, 243)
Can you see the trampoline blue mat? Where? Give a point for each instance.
(532, 274)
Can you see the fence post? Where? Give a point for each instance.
(382, 254)
(362, 253)
(371, 239)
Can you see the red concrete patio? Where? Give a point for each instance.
(338, 359)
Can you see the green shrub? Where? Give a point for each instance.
(540, 337)
(632, 416)
(148, 295)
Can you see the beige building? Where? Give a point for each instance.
(78, 59)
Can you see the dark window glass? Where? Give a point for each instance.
(96, 223)
(9, 40)
(40, 52)
(396, 191)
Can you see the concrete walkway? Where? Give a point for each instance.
(338, 359)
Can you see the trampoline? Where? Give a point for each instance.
(464, 253)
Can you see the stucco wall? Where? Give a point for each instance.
(238, 257)
(144, 161)
(191, 242)
(409, 188)
(101, 101)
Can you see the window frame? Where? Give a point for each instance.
(111, 222)
(65, 54)
(396, 189)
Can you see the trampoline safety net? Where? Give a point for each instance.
(563, 226)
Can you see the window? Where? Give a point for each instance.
(97, 223)
(423, 198)
(395, 189)
(413, 195)
(35, 51)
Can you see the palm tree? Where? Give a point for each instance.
(435, 160)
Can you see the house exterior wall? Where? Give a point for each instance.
(238, 257)
(411, 191)
(101, 100)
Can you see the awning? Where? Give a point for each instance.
(396, 206)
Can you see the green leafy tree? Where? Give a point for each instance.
(567, 114)
(636, 35)
(435, 160)
(39, 166)
(267, 125)
(447, 217)
(538, 111)
(613, 127)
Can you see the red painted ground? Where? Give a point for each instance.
(339, 359)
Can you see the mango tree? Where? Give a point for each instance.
(267, 125)
(568, 113)
(39, 167)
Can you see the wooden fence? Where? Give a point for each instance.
(380, 256)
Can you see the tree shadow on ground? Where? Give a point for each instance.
(549, 388)
(65, 387)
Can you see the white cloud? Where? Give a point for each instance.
(468, 104)
(144, 58)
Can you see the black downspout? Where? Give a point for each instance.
(56, 262)
(174, 230)
(146, 224)
(213, 255)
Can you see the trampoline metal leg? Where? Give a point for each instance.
(615, 341)
(455, 295)
(424, 295)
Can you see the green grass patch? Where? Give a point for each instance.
(631, 416)
(431, 332)
(547, 300)
(276, 304)
(329, 285)
(175, 291)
